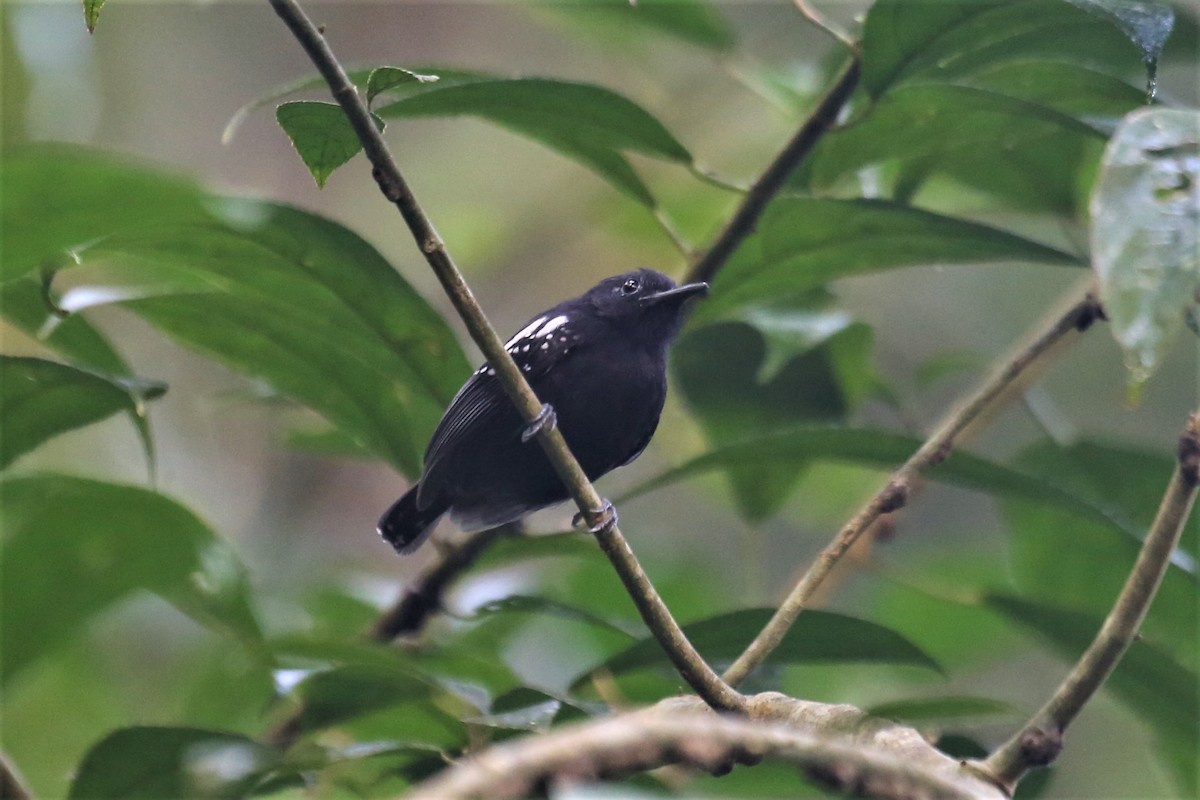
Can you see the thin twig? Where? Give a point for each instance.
(1039, 741)
(838, 745)
(598, 515)
(744, 220)
(894, 494)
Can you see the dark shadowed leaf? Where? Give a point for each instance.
(1154, 686)
(338, 695)
(301, 302)
(820, 637)
(803, 243)
(690, 21)
(527, 604)
(152, 763)
(73, 547)
(41, 399)
(1145, 232)
(321, 134)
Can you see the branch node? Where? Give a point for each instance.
(1039, 748)
(1189, 452)
(894, 496)
(391, 190)
(1089, 312)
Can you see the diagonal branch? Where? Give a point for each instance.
(839, 746)
(1079, 316)
(599, 516)
(1039, 741)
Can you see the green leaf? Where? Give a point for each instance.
(945, 41)
(820, 637)
(1019, 152)
(1148, 681)
(1148, 25)
(585, 122)
(384, 79)
(1145, 242)
(57, 198)
(321, 316)
(91, 13)
(321, 134)
(527, 604)
(41, 399)
(74, 547)
(23, 306)
(923, 709)
(159, 762)
(803, 243)
(337, 695)
(689, 21)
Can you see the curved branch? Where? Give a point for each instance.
(894, 495)
(837, 745)
(597, 513)
(1038, 743)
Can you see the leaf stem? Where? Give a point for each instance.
(894, 494)
(1039, 741)
(391, 182)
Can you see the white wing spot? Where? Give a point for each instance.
(524, 333)
(491, 371)
(552, 325)
(545, 345)
(526, 368)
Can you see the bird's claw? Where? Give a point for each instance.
(605, 516)
(546, 418)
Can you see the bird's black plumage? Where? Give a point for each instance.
(599, 360)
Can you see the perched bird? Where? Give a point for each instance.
(598, 361)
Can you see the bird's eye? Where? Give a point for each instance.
(631, 286)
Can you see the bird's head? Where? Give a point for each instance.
(644, 301)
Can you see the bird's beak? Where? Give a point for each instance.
(679, 293)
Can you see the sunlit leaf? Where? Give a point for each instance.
(40, 399)
(73, 547)
(91, 13)
(152, 763)
(1146, 232)
(383, 79)
(817, 637)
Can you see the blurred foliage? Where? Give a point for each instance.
(976, 137)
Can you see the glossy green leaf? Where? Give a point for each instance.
(1020, 152)
(802, 243)
(321, 134)
(1145, 232)
(23, 306)
(73, 547)
(1148, 681)
(945, 41)
(91, 13)
(321, 316)
(1147, 25)
(946, 707)
(528, 604)
(152, 763)
(40, 399)
(384, 79)
(57, 198)
(513, 549)
(585, 122)
(817, 637)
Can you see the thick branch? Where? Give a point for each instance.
(894, 494)
(837, 745)
(744, 220)
(1039, 741)
(685, 658)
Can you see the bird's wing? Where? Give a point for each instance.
(545, 341)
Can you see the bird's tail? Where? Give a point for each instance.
(406, 525)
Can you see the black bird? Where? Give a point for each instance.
(599, 361)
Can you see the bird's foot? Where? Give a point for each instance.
(546, 418)
(605, 516)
